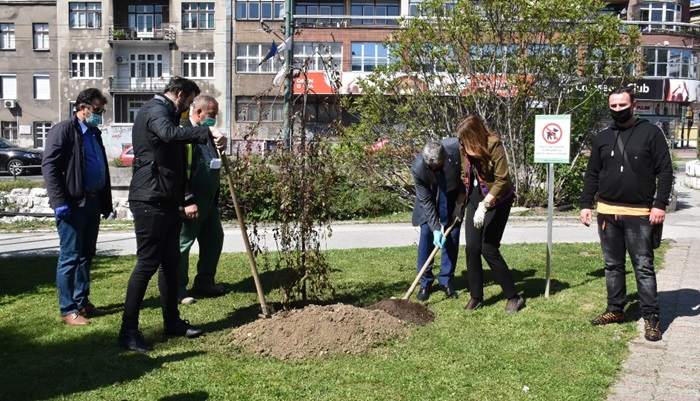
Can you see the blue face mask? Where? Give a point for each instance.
(94, 120)
(209, 122)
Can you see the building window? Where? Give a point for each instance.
(320, 56)
(197, 15)
(368, 55)
(7, 36)
(8, 87)
(674, 63)
(85, 15)
(41, 130)
(146, 65)
(9, 131)
(659, 12)
(144, 19)
(42, 87)
(249, 109)
(126, 107)
(318, 7)
(86, 65)
(256, 10)
(249, 55)
(41, 36)
(378, 8)
(416, 7)
(198, 65)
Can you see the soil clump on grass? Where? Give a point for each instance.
(405, 310)
(315, 331)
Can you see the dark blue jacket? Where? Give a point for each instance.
(63, 167)
(426, 184)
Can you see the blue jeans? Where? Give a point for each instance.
(632, 234)
(78, 238)
(448, 259)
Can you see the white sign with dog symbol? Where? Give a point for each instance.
(552, 138)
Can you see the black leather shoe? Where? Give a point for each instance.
(450, 292)
(423, 294)
(474, 304)
(132, 340)
(514, 304)
(182, 329)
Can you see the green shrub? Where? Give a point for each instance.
(9, 185)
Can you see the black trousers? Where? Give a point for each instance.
(157, 227)
(486, 242)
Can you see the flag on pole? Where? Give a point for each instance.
(285, 45)
(270, 54)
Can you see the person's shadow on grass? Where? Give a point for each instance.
(40, 369)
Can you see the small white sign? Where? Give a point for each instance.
(25, 129)
(552, 138)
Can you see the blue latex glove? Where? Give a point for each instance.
(63, 212)
(438, 241)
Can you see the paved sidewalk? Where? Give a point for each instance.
(668, 370)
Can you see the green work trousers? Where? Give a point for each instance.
(209, 234)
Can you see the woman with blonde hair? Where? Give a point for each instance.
(490, 197)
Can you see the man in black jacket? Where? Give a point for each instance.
(626, 162)
(156, 196)
(76, 176)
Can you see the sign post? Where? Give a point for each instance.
(552, 144)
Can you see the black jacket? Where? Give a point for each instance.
(159, 152)
(627, 174)
(63, 167)
(426, 184)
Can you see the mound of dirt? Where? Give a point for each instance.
(405, 310)
(318, 330)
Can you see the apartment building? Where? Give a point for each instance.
(50, 50)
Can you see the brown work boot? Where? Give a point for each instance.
(608, 317)
(652, 332)
(74, 319)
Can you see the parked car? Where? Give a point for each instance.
(13, 159)
(127, 156)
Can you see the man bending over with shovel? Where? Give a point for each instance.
(440, 194)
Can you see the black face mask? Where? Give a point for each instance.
(621, 116)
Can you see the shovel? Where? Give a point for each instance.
(428, 262)
(244, 232)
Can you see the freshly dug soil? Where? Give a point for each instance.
(315, 331)
(405, 310)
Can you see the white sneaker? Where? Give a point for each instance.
(187, 301)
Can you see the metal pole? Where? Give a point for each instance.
(682, 115)
(288, 33)
(550, 205)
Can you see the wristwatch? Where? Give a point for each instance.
(488, 205)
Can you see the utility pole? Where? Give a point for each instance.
(288, 55)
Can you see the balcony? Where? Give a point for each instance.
(346, 21)
(127, 84)
(666, 28)
(131, 35)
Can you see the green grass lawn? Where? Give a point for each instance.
(549, 347)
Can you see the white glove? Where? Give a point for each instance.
(479, 216)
